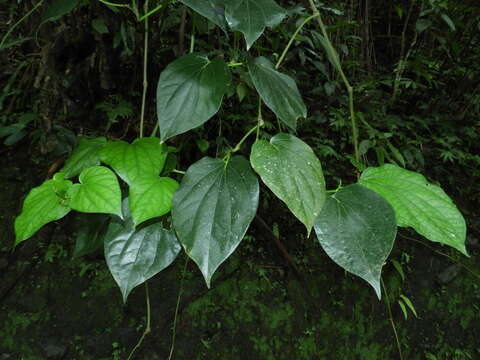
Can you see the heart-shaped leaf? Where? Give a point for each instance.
(98, 192)
(357, 228)
(143, 157)
(134, 256)
(43, 204)
(251, 17)
(291, 170)
(210, 9)
(213, 208)
(151, 196)
(190, 92)
(278, 91)
(86, 154)
(418, 204)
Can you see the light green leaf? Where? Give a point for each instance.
(98, 192)
(85, 155)
(151, 196)
(43, 204)
(210, 9)
(278, 91)
(143, 157)
(357, 228)
(251, 17)
(189, 93)
(418, 204)
(134, 256)
(213, 208)
(291, 170)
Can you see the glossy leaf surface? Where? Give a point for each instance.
(98, 192)
(189, 93)
(278, 91)
(418, 204)
(357, 229)
(251, 17)
(213, 208)
(290, 168)
(134, 256)
(86, 154)
(43, 204)
(151, 196)
(143, 157)
(210, 9)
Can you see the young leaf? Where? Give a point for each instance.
(291, 170)
(251, 17)
(278, 91)
(210, 9)
(151, 196)
(98, 192)
(189, 93)
(357, 228)
(213, 208)
(144, 156)
(86, 154)
(43, 204)
(133, 256)
(418, 204)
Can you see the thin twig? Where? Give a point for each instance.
(148, 325)
(387, 301)
(145, 68)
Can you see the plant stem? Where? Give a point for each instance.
(338, 66)
(5, 37)
(148, 325)
(174, 332)
(178, 171)
(390, 315)
(292, 38)
(114, 4)
(154, 10)
(145, 68)
(239, 145)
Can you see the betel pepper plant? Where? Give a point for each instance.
(210, 211)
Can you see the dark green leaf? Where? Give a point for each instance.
(418, 204)
(251, 17)
(213, 208)
(43, 204)
(151, 196)
(98, 192)
(90, 233)
(143, 157)
(278, 91)
(59, 8)
(85, 155)
(357, 228)
(291, 170)
(189, 93)
(210, 9)
(134, 256)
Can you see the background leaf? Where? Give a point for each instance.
(418, 204)
(143, 157)
(151, 196)
(213, 208)
(86, 154)
(59, 8)
(43, 204)
(357, 229)
(90, 233)
(189, 93)
(290, 168)
(278, 91)
(251, 17)
(134, 256)
(98, 192)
